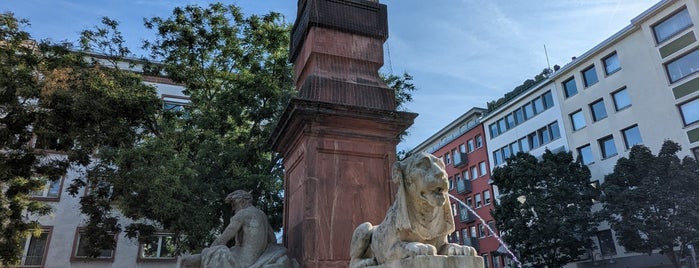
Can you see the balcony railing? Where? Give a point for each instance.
(465, 215)
(460, 159)
(463, 186)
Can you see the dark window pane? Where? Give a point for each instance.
(528, 111)
(479, 141)
(690, 112)
(606, 243)
(555, 132)
(598, 110)
(590, 76)
(611, 64)
(534, 140)
(544, 135)
(524, 143)
(497, 155)
(570, 88)
(494, 130)
(501, 125)
(621, 99)
(510, 119)
(519, 116)
(672, 26)
(538, 105)
(684, 66)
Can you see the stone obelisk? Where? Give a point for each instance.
(338, 136)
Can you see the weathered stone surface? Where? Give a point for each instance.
(255, 244)
(417, 223)
(435, 261)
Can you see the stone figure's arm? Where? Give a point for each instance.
(231, 230)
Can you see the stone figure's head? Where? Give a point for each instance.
(239, 198)
(422, 190)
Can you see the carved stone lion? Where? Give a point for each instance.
(417, 223)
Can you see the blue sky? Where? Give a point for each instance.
(462, 53)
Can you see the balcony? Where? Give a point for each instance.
(463, 186)
(472, 242)
(460, 159)
(465, 215)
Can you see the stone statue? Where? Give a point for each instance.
(414, 232)
(255, 244)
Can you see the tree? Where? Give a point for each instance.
(544, 210)
(54, 98)
(651, 201)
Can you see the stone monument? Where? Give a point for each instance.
(255, 244)
(338, 136)
(414, 232)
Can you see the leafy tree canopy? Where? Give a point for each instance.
(651, 201)
(544, 210)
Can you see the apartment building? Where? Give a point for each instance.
(59, 244)
(639, 86)
(462, 147)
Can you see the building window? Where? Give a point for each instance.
(497, 157)
(454, 210)
(469, 202)
(585, 154)
(695, 151)
(548, 99)
(528, 111)
(80, 248)
(464, 235)
(51, 191)
(493, 130)
(451, 184)
(544, 135)
(598, 110)
(491, 224)
(34, 249)
(486, 197)
(524, 144)
(519, 116)
(590, 76)
(485, 261)
(506, 153)
(483, 169)
(470, 146)
(569, 87)
(474, 232)
(607, 146)
(474, 173)
(479, 141)
(496, 261)
(510, 120)
(690, 112)
(683, 66)
(462, 148)
(577, 120)
(538, 105)
(534, 140)
(479, 202)
(621, 99)
(555, 132)
(447, 156)
(465, 175)
(481, 232)
(501, 125)
(158, 246)
(671, 26)
(606, 243)
(457, 177)
(611, 64)
(632, 136)
(514, 147)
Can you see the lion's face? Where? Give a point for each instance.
(426, 178)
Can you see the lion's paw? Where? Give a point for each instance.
(415, 248)
(454, 249)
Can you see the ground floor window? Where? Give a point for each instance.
(34, 248)
(158, 246)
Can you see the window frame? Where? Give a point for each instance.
(565, 87)
(604, 149)
(615, 55)
(676, 31)
(572, 118)
(581, 155)
(482, 169)
(681, 57)
(479, 141)
(593, 112)
(478, 201)
(76, 244)
(614, 98)
(161, 236)
(586, 80)
(626, 140)
(47, 188)
(48, 230)
(694, 101)
(695, 153)
(487, 198)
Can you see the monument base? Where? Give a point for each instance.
(435, 261)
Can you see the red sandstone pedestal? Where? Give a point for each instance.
(338, 136)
